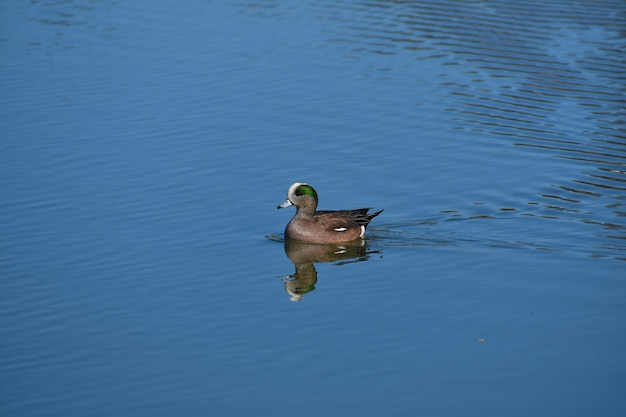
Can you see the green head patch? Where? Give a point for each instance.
(306, 189)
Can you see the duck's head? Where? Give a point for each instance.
(303, 196)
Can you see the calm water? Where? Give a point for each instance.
(146, 145)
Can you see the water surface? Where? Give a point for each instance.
(144, 150)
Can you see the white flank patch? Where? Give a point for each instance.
(362, 231)
(341, 229)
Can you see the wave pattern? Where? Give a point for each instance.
(545, 77)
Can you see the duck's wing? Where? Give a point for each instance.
(360, 216)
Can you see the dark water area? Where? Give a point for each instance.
(145, 146)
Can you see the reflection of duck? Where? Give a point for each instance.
(301, 282)
(304, 255)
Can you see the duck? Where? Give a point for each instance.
(322, 226)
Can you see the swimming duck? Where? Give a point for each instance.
(326, 226)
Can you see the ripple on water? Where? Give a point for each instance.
(549, 81)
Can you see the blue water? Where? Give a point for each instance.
(146, 145)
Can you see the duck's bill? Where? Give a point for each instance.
(287, 203)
